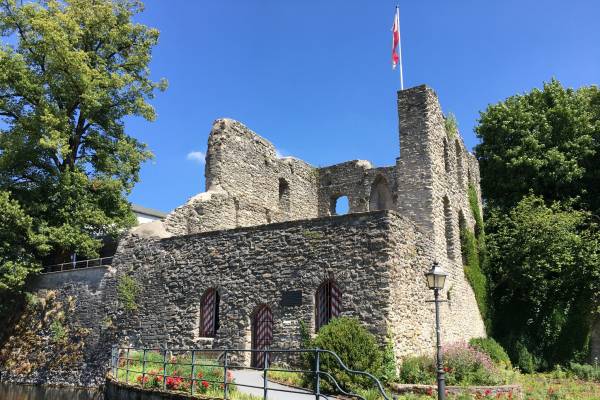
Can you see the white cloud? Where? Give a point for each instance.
(197, 156)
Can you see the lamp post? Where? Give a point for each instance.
(436, 278)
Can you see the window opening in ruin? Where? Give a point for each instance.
(446, 156)
(284, 195)
(328, 303)
(209, 313)
(262, 334)
(340, 205)
(381, 196)
(459, 164)
(448, 228)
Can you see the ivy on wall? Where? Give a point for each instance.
(474, 256)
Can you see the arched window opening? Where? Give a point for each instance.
(209, 313)
(284, 195)
(328, 301)
(262, 334)
(448, 229)
(459, 164)
(446, 156)
(340, 205)
(381, 196)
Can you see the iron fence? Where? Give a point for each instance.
(68, 266)
(228, 361)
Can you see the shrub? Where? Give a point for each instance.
(419, 369)
(493, 349)
(59, 332)
(355, 346)
(463, 365)
(127, 292)
(524, 359)
(586, 372)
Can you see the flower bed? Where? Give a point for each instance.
(205, 377)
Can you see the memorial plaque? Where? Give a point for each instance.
(291, 298)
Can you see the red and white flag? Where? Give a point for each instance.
(396, 47)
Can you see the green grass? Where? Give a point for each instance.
(286, 377)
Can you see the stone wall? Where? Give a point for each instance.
(434, 171)
(254, 266)
(64, 335)
(377, 259)
(246, 184)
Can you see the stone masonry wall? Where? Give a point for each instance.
(246, 184)
(64, 336)
(438, 169)
(254, 266)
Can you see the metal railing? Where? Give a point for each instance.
(225, 361)
(69, 266)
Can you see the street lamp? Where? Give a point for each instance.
(436, 278)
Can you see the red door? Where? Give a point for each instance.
(262, 334)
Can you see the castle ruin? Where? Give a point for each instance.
(264, 240)
(261, 253)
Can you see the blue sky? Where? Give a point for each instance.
(315, 78)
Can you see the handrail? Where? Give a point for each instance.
(121, 355)
(69, 266)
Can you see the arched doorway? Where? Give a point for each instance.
(262, 334)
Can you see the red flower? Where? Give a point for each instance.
(488, 392)
(205, 384)
(200, 374)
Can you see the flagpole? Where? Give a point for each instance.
(400, 47)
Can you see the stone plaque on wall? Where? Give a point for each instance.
(291, 298)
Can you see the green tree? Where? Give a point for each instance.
(70, 72)
(546, 142)
(545, 278)
(540, 176)
(17, 244)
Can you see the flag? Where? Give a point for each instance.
(396, 40)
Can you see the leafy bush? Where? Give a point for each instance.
(586, 372)
(355, 346)
(463, 365)
(59, 332)
(493, 349)
(524, 359)
(419, 369)
(127, 292)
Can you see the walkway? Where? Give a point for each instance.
(255, 378)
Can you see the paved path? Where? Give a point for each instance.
(255, 378)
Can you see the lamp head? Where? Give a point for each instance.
(436, 277)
